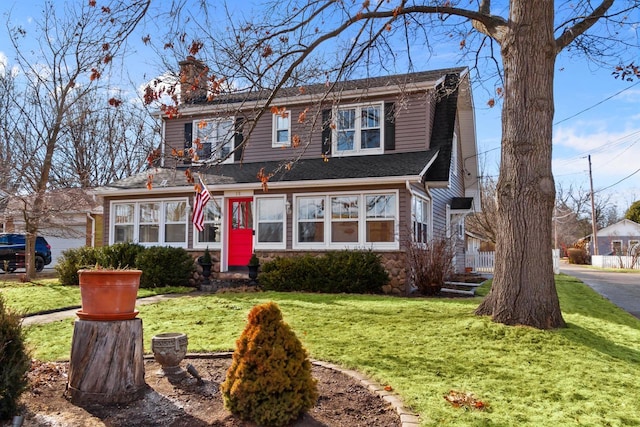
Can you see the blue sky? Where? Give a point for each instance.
(595, 114)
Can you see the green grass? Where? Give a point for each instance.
(48, 294)
(585, 374)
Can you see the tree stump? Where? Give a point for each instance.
(107, 364)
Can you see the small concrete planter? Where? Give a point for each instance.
(169, 349)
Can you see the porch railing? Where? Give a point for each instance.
(484, 262)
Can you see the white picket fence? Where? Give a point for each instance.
(483, 262)
(614, 261)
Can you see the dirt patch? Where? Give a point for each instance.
(343, 401)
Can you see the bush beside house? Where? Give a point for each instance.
(161, 266)
(333, 272)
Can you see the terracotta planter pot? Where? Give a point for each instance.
(108, 294)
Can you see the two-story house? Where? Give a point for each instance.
(359, 164)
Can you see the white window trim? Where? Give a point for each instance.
(454, 154)
(362, 233)
(275, 129)
(270, 245)
(136, 221)
(216, 120)
(613, 241)
(211, 245)
(357, 151)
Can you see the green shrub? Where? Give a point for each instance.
(269, 380)
(73, 260)
(355, 271)
(119, 255)
(164, 266)
(334, 272)
(14, 361)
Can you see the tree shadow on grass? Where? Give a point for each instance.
(587, 338)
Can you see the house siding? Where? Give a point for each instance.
(412, 129)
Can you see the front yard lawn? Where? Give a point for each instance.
(47, 294)
(584, 374)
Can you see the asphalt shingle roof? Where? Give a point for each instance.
(352, 167)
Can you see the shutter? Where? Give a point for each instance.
(188, 135)
(238, 140)
(188, 140)
(389, 126)
(326, 132)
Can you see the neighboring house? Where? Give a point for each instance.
(370, 165)
(73, 219)
(617, 238)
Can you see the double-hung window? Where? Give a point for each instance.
(270, 219)
(381, 215)
(359, 129)
(310, 216)
(175, 228)
(212, 226)
(123, 222)
(281, 129)
(150, 222)
(421, 219)
(344, 219)
(214, 139)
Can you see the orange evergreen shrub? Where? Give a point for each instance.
(269, 380)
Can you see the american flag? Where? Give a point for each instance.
(199, 203)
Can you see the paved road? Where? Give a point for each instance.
(622, 289)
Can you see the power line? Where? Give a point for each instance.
(616, 183)
(596, 104)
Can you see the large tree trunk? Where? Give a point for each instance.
(523, 290)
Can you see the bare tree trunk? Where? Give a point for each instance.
(523, 290)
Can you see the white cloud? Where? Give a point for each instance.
(614, 156)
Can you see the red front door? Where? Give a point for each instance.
(240, 231)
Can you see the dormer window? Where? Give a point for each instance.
(358, 129)
(281, 129)
(214, 138)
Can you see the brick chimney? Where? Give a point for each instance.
(194, 77)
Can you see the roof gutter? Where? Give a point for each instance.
(257, 186)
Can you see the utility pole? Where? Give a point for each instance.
(594, 226)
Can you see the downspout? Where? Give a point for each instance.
(93, 229)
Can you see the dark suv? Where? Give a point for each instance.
(12, 252)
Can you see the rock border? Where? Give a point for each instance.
(407, 418)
